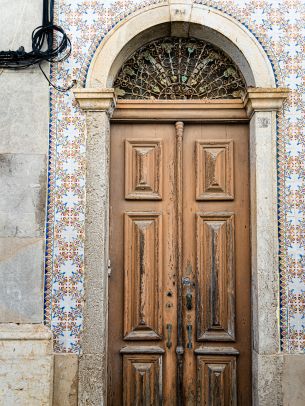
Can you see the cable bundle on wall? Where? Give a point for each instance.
(44, 46)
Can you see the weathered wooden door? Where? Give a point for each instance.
(179, 291)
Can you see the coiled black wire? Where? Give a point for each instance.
(50, 43)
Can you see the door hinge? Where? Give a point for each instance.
(109, 268)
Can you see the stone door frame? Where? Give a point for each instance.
(262, 103)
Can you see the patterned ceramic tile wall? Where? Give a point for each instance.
(279, 26)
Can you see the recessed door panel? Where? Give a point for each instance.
(214, 170)
(216, 380)
(215, 277)
(143, 276)
(142, 376)
(143, 169)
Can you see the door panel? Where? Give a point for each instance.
(143, 276)
(214, 170)
(143, 286)
(142, 375)
(216, 380)
(216, 257)
(179, 294)
(215, 277)
(143, 169)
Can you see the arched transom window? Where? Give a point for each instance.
(179, 68)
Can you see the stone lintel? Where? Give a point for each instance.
(264, 99)
(95, 99)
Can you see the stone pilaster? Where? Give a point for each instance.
(261, 106)
(98, 104)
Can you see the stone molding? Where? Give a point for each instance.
(96, 99)
(256, 99)
(264, 99)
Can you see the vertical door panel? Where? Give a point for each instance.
(143, 276)
(215, 277)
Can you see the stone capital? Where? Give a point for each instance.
(264, 99)
(95, 99)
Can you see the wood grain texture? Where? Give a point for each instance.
(184, 110)
(143, 282)
(203, 248)
(214, 170)
(142, 377)
(215, 337)
(215, 277)
(142, 276)
(179, 216)
(216, 381)
(216, 351)
(142, 349)
(143, 169)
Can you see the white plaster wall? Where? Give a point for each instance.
(24, 112)
(26, 353)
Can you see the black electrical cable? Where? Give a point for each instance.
(50, 43)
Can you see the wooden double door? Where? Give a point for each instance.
(179, 291)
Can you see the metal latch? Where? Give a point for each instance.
(109, 268)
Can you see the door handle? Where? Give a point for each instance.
(169, 328)
(189, 329)
(189, 301)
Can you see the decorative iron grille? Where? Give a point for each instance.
(179, 68)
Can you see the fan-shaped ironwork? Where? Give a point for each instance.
(179, 68)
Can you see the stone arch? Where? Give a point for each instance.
(181, 18)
